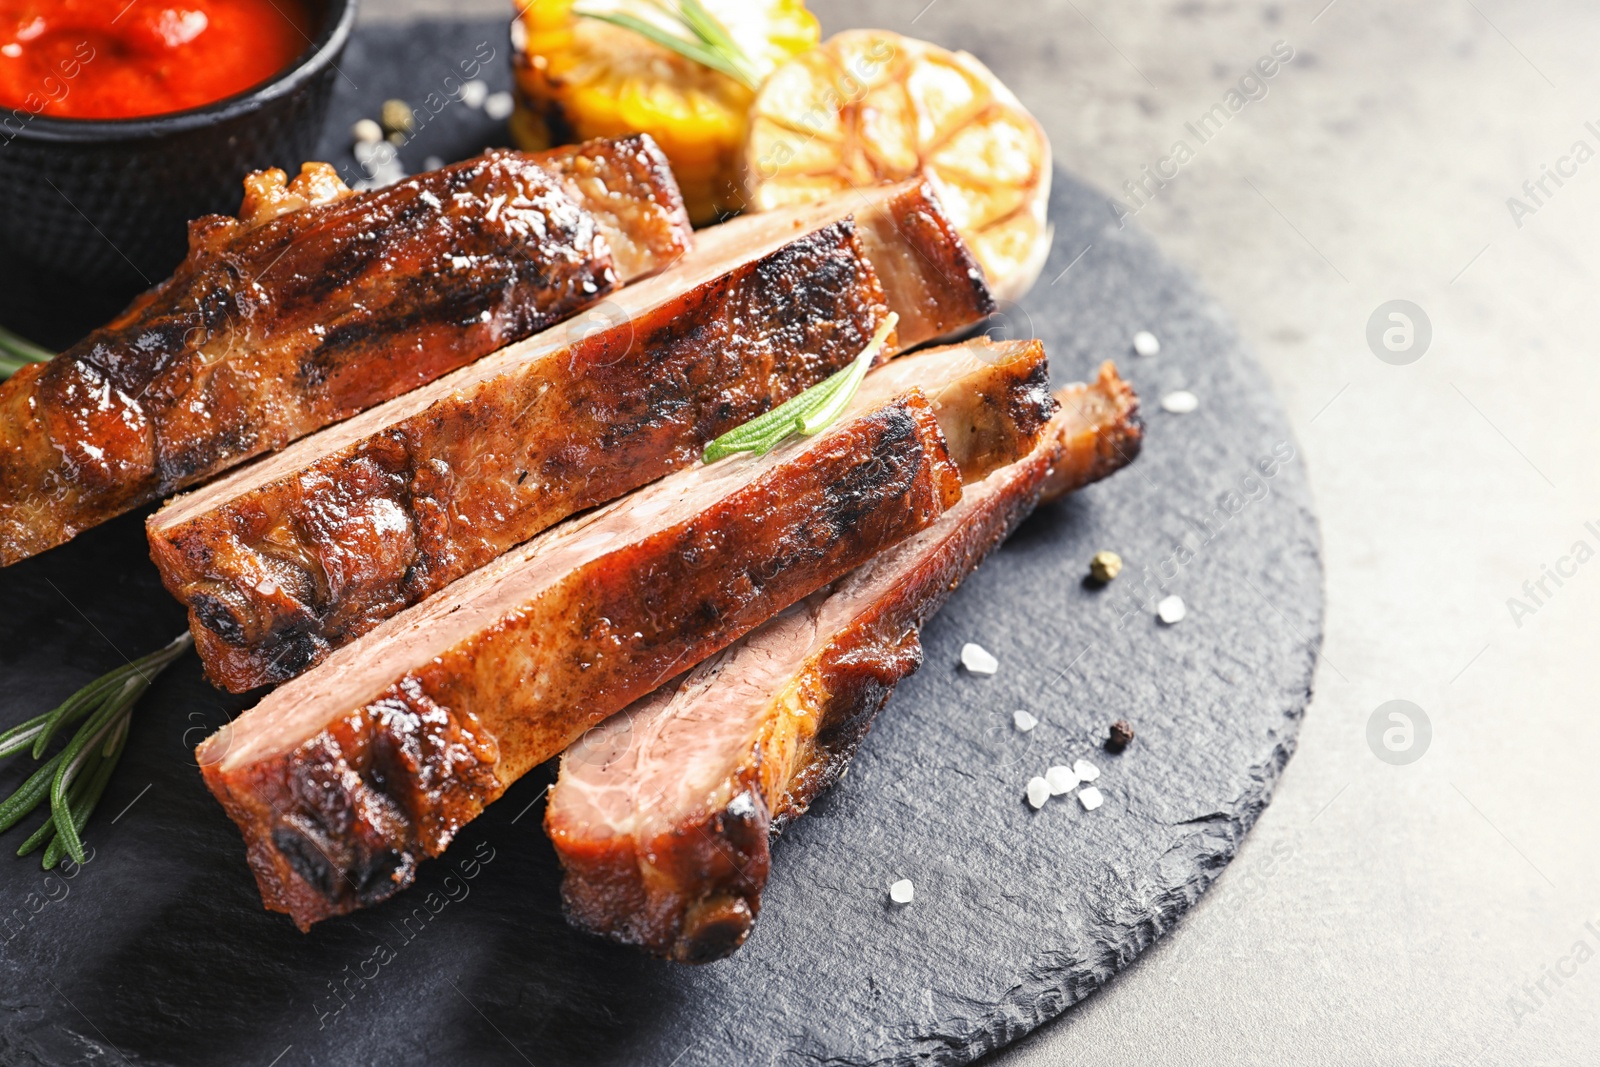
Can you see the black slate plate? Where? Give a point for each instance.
(157, 950)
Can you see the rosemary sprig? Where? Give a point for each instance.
(75, 777)
(16, 353)
(807, 413)
(703, 40)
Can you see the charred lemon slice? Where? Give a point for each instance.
(871, 106)
(581, 77)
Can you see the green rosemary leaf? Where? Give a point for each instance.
(760, 446)
(768, 443)
(16, 353)
(45, 832)
(841, 396)
(75, 777)
(10, 364)
(808, 413)
(697, 51)
(48, 832)
(53, 852)
(78, 705)
(73, 759)
(780, 419)
(762, 433)
(24, 349)
(21, 736)
(19, 804)
(82, 805)
(709, 29)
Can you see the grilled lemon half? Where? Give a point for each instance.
(871, 106)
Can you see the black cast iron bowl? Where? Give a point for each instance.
(105, 204)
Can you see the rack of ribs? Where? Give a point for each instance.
(662, 816)
(284, 561)
(345, 778)
(314, 304)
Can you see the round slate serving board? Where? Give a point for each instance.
(158, 952)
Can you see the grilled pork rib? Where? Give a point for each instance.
(287, 560)
(662, 815)
(345, 778)
(1099, 433)
(315, 304)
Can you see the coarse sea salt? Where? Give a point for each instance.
(902, 892)
(1145, 343)
(1061, 780)
(474, 92)
(498, 106)
(1090, 798)
(1180, 402)
(1171, 610)
(978, 659)
(1023, 720)
(1038, 792)
(1086, 771)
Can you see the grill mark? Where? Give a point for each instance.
(345, 342)
(216, 616)
(681, 909)
(271, 288)
(410, 791)
(295, 292)
(634, 402)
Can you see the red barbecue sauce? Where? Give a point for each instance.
(118, 59)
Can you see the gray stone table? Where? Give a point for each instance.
(1432, 912)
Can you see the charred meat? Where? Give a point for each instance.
(312, 305)
(662, 816)
(286, 560)
(345, 778)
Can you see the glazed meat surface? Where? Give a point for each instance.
(662, 816)
(343, 779)
(293, 557)
(312, 305)
(1099, 433)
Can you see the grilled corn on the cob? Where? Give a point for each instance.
(580, 77)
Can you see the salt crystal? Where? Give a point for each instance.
(978, 659)
(1145, 343)
(474, 93)
(1023, 721)
(1180, 402)
(1061, 780)
(1038, 792)
(1086, 771)
(1171, 610)
(1090, 798)
(497, 106)
(386, 174)
(901, 892)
